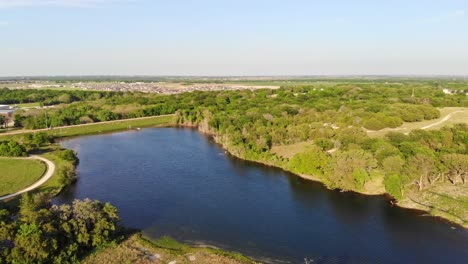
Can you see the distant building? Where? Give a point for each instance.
(7, 112)
(447, 91)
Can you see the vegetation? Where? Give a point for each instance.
(138, 249)
(20, 173)
(314, 128)
(17, 174)
(45, 233)
(11, 148)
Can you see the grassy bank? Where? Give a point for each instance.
(17, 174)
(63, 175)
(137, 249)
(96, 128)
(63, 169)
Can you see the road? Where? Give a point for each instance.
(50, 171)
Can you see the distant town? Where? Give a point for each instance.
(144, 87)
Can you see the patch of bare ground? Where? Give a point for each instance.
(288, 151)
(375, 186)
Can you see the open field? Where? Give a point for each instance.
(448, 116)
(17, 174)
(165, 250)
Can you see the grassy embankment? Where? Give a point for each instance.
(17, 174)
(97, 128)
(137, 249)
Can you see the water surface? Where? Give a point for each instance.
(176, 182)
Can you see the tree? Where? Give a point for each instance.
(393, 165)
(393, 185)
(421, 167)
(312, 162)
(349, 170)
(457, 167)
(324, 143)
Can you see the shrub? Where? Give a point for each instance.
(69, 155)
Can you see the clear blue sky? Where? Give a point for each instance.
(216, 37)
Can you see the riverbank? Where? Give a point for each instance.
(379, 189)
(139, 249)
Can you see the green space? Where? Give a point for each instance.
(96, 128)
(319, 129)
(138, 249)
(39, 235)
(17, 174)
(322, 129)
(448, 116)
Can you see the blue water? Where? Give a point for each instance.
(169, 181)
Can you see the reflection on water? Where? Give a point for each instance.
(176, 182)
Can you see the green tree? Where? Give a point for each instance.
(349, 170)
(311, 162)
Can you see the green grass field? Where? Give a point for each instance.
(17, 174)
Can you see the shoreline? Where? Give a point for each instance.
(404, 203)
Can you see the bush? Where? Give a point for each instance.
(69, 155)
(12, 149)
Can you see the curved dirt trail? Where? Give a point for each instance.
(50, 171)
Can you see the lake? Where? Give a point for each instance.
(177, 182)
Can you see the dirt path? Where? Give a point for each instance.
(50, 171)
(407, 127)
(445, 119)
(19, 132)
